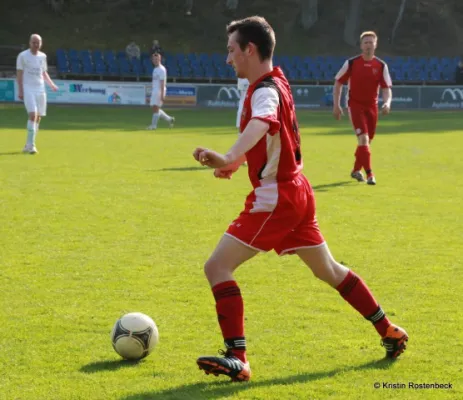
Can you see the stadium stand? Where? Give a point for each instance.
(105, 64)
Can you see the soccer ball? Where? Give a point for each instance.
(134, 336)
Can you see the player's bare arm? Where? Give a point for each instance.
(49, 81)
(227, 171)
(387, 99)
(254, 131)
(162, 84)
(19, 78)
(337, 109)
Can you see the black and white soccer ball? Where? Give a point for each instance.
(134, 336)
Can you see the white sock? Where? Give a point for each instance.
(31, 132)
(164, 116)
(154, 120)
(36, 130)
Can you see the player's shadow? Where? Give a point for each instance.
(11, 153)
(181, 169)
(224, 388)
(108, 365)
(326, 187)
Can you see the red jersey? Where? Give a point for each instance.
(279, 213)
(277, 156)
(364, 79)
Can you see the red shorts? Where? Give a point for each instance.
(290, 226)
(364, 119)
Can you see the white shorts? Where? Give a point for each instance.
(36, 102)
(155, 99)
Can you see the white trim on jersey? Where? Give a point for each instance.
(247, 245)
(343, 70)
(264, 102)
(283, 252)
(387, 76)
(273, 156)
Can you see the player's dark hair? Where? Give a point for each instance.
(254, 30)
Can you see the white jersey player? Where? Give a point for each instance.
(31, 68)
(242, 85)
(158, 93)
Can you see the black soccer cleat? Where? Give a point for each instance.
(228, 365)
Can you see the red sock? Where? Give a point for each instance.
(367, 160)
(357, 294)
(230, 312)
(358, 160)
(363, 159)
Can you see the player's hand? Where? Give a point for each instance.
(54, 87)
(223, 174)
(337, 112)
(210, 158)
(21, 96)
(386, 109)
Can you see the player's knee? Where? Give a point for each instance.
(211, 267)
(363, 140)
(331, 272)
(323, 273)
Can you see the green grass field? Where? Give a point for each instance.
(109, 218)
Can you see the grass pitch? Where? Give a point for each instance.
(109, 218)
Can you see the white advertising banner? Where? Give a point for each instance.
(93, 92)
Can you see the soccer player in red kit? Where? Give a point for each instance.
(364, 74)
(279, 213)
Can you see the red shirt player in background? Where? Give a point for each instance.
(279, 212)
(364, 75)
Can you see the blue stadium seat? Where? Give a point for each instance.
(73, 55)
(75, 67)
(423, 76)
(317, 75)
(124, 67)
(192, 58)
(87, 68)
(108, 56)
(84, 56)
(100, 68)
(222, 73)
(399, 75)
(113, 69)
(436, 76)
(210, 72)
(173, 73)
(61, 61)
(148, 67)
(97, 55)
(328, 75)
(198, 72)
(186, 72)
(121, 55)
(293, 74)
(144, 55)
